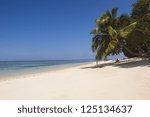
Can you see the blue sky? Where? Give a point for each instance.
(51, 29)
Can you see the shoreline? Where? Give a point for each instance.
(39, 70)
(124, 80)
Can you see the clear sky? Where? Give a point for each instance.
(51, 29)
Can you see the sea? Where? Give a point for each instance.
(9, 68)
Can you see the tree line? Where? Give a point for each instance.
(127, 34)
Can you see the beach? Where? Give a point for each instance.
(128, 79)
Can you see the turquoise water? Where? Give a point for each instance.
(8, 68)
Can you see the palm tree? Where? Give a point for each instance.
(110, 34)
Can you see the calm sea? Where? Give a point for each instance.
(8, 68)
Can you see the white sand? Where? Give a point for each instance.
(125, 81)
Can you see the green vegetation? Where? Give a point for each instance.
(123, 34)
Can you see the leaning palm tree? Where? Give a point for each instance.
(110, 34)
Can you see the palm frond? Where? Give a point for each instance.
(112, 32)
(114, 12)
(127, 30)
(123, 17)
(100, 53)
(111, 46)
(104, 18)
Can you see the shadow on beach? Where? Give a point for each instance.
(123, 64)
(98, 66)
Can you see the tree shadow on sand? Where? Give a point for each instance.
(98, 66)
(123, 64)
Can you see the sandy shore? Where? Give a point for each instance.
(125, 80)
